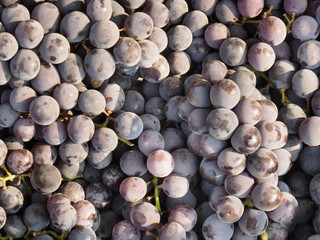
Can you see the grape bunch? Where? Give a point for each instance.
(159, 119)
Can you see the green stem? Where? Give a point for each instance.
(247, 202)
(7, 237)
(156, 193)
(71, 179)
(260, 74)
(284, 99)
(264, 236)
(126, 141)
(268, 13)
(290, 21)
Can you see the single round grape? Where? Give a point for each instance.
(19, 161)
(233, 51)
(11, 199)
(214, 71)
(134, 102)
(315, 103)
(160, 163)
(155, 106)
(9, 46)
(307, 54)
(197, 120)
(175, 186)
(177, 10)
(250, 8)
(44, 110)
(13, 14)
(179, 38)
(215, 34)
(99, 64)
(25, 65)
(8, 115)
(72, 153)
(29, 33)
(281, 73)
(158, 12)
(150, 141)
(104, 139)
(173, 139)
(75, 26)
(305, 28)
(292, 115)
(63, 216)
(229, 209)
(180, 62)
(159, 38)
(72, 69)
(43, 153)
(128, 125)
(246, 139)
(127, 52)
(198, 93)
(299, 85)
(225, 94)
(261, 56)
(214, 228)
(36, 216)
(185, 162)
(272, 30)
(172, 230)
(231, 162)
(138, 25)
(99, 10)
(227, 12)
(210, 172)
(294, 6)
(55, 133)
(104, 34)
(196, 21)
(45, 178)
(66, 95)
(246, 80)
(73, 191)
(85, 213)
(198, 49)
(114, 95)
(157, 72)
(54, 48)
(144, 216)
(133, 163)
(80, 129)
(20, 98)
(124, 230)
(170, 109)
(254, 222)
(48, 15)
(133, 189)
(15, 226)
(91, 102)
(265, 196)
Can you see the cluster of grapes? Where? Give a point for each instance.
(159, 119)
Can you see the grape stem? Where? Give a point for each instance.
(290, 21)
(268, 13)
(71, 179)
(156, 193)
(48, 232)
(9, 177)
(6, 238)
(284, 99)
(247, 202)
(130, 144)
(264, 236)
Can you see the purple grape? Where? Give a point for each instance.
(272, 30)
(250, 8)
(133, 189)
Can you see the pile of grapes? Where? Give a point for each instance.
(159, 119)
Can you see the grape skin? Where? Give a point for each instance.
(213, 228)
(272, 30)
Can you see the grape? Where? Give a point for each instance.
(19, 161)
(24, 129)
(138, 25)
(63, 216)
(36, 217)
(149, 53)
(43, 153)
(170, 109)
(157, 72)
(134, 102)
(281, 73)
(128, 125)
(114, 96)
(44, 110)
(231, 162)
(66, 95)
(240, 235)
(305, 28)
(197, 120)
(269, 111)
(299, 86)
(11, 199)
(180, 62)
(80, 129)
(127, 51)
(66, 6)
(227, 12)
(124, 230)
(249, 8)
(177, 10)
(307, 54)
(215, 34)
(239, 185)
(9, 46)
(185, 162)
(108, 220)
(158, 12)
(55, 133)
(72, 153)
(261, 56)
(91, 102)
(13, 14)
(272, 30)
(198, 93)
(172, 230)
(253, 222)
(72, 69)
(73, 191)
(273, 134)
(284, 161)
(54, 48)
(15, 226)
(196, 21)
(99, 10)
(98, 159)
(85, 213)
(99, 64)
(233, 51)
(229, 209)
(277, 231)
(225, 94)
(179, 38)
(214, 71)
(292, 115)
(132, 4)
(144, 216)
(25, 65)
(160, 163)
(246, 80)
(315, 105)
(5, 73)
(150, 141)
(265, 196)
(104, 34)
(205, 6)
(175, 186)
(216, 193)
(210, 171)
(282, 51)
(133, 189)
(159, 38)
(45, 178)
(8, 115)
(198, 49)
(214, 228)
(188, 199)
(295, 6)
(98, 195)
(133, 163)
(248, 110)
(29, 33)
(308, 132)
(48, 15)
